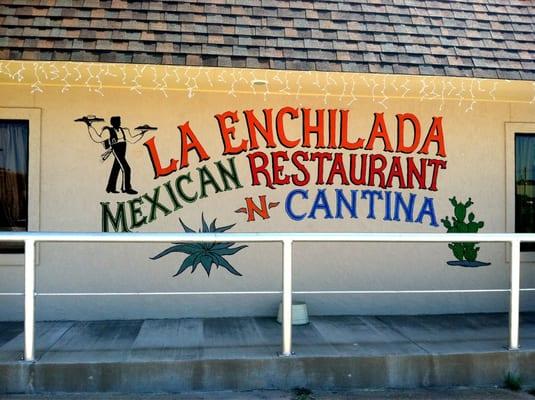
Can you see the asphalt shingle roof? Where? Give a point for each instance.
(479, 38)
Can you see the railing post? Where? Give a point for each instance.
(514, 305)
(29, 300)
(287, 298)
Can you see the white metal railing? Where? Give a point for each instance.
(31, 238)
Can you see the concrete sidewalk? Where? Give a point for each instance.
(413, 394)
(241, 353)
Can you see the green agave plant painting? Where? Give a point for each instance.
(205, 254)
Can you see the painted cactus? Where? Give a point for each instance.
(465, 253)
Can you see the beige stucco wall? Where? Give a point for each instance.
(72, 183)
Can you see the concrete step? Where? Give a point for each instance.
(343, 352)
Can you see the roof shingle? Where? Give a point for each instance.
(477, 38)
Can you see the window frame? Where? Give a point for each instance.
(511, 130)
(33, 116)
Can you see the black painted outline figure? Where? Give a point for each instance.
(114, 138)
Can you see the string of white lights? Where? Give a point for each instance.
(267, 85)
(374, 86)
(19, 74)
(232, 90)
(208, 78)
(54, 72)
(90, 77)
(66, 85)
(422, 91)
(252, 81)
(353, 93)
(122, 68)
(98, 89)
(136, 87)
(78, 72)
(36, 86)
(472, 98)
(442, 97)
(163, 84)
(108, 72)
(393, 82)
(405, 87)
(316, 81)
(286, 89)
(344, 87)
(383, 92)
(191, 87)
(492, 92)
(332, 87)
(220, 78)
(461, 93)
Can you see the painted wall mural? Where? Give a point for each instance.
(328, 169)
(205, 254)
(114, 138)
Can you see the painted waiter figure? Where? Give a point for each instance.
(114, 138)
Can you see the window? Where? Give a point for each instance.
(525, 186)
(14, 146)
(32, 118)
(520, 183)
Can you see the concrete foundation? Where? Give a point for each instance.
(240, 354)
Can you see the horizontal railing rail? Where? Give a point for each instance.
(30, 239)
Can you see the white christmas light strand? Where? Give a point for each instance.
(36, 86)
(191, 87)
(98, 89)
(442, 97)
(77, 69)
(286, 89)
(267, 91)
(339, 88)
(405, 87)
(108, 72)
(136, 86)
(452, 88)
(90, 77)
(479, 88)
(316, 81)
(163, 85)
(66, 85)
(176, 72)
(328, 82)
(383, 93)
(232, 90)
(472, 98)
(423, 89)
(17, 75)
(54, 72)
(344, 87)
(460, 94)
(160, 84)
(353, 94)
(220, 78)
(252, 82)
(492, 92)
(208, 78)
(122, 68)
(393, 84)
(374, 86)
(433, 95)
